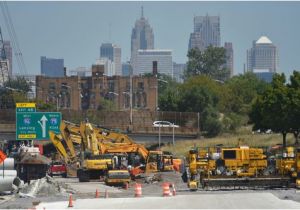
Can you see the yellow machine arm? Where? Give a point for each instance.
(89, 138)
(57, 142)
(67, 136)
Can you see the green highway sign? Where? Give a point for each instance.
(36, 125)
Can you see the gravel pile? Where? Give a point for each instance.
(44, 187)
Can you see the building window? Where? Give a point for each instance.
(52, 85)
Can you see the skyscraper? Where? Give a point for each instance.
(262, 56)
(141, 38)
(148, 60)
(229, 57)
(52, 67)
(113, 53)
(206, 28)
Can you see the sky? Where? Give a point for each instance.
(75, 31)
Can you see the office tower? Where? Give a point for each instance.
(160, 60)
(141, 38)
(196, 41)
(264, 74)
(113, 53)
(229, 57)
(178, 71)
(52, 67)
(207, 28)
(126, 69)
(262, 56)
(109, 66)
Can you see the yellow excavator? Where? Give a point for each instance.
(79, 148)
(93, 149)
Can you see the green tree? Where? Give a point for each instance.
(210, 62)
(201, 94)
(271, 109)
(294, 108)
(168, 93)
(240, 93)
(107, 105)
(14, 91)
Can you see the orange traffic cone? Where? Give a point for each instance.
(106, 194)
(97, 194)
(70, 201)
(166, 189)
(138, 190)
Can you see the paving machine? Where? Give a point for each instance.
(241, 167)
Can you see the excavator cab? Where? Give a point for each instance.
(157, 161)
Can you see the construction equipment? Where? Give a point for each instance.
(241, 167)
(117, 177)
(93, 148)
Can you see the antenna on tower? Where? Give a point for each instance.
(142, 15)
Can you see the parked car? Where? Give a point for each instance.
(58, 168)
(164, 124)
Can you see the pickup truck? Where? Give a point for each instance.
(58, 168)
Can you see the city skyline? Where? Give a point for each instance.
(54, 29)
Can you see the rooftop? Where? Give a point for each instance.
(263, 40)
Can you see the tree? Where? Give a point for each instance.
(294, 108)
(240, 93)
(209, 62)
(271, 109)
(201, 94)
(168, 93)
(13, 91)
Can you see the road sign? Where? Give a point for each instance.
(25, 107)
(36, 125)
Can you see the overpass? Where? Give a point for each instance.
(8, 132)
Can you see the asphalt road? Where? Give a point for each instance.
(260, 200)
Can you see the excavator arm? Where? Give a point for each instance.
(57, 139)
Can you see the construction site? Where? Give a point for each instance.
(87, 162)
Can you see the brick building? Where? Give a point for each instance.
(82, 93)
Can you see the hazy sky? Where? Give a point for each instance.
(75, 30)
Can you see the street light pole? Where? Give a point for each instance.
(130, 95)
(159, 136)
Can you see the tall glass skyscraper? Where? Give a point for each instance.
(141, 38)
(206, 32)
(52, 67)
(262, 56)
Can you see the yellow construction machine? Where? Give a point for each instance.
(241, 167)
(95, 149)
(79, 146)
